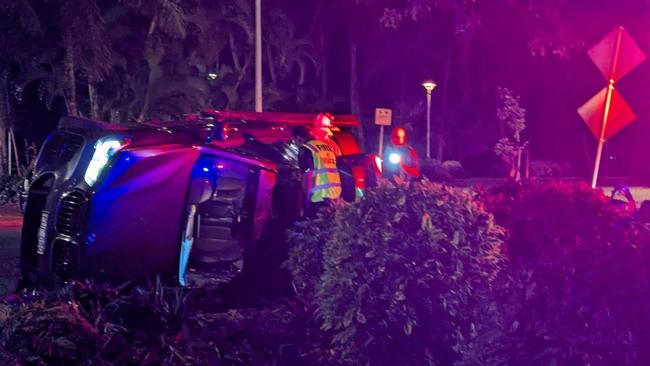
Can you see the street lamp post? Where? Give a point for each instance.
(429, 85)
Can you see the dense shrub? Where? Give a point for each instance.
(484, 164)
(409, 275)
(11, 186)
(549, 168)
(95, 324)
(442, 171)
(48, 333)
(283, 334)
(577, 288)
(398, 275)
(306, 243)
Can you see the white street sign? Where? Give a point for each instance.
(383, 117)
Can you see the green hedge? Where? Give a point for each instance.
(410, 275)
(577, 288)
(396, 278)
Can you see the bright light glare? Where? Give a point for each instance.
(429, 85)
(213, 76)
(104, 150)
(394, 158)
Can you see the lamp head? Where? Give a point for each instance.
(429, 85)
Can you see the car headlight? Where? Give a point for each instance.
(104, 149)
(394, 158)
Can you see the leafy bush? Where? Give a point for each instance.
(305, 260)
(96, 324)
(283, 334)
(48, 333)
(442, 172)
(484, 164)
(86, 323)
(577, 288)
(401, 273)
(11, 186)
(547, 168)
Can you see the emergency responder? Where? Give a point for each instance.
(322, 130)
(401, 157)
(320, 175)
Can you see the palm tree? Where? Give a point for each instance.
(163, 70)
(167, 20)
(86, 50)
(78, 34)
(236, 18)
(287, 52)
(153, 58)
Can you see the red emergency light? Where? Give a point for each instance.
(283, 118)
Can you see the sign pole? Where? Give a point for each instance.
(381, 141)
(608, 104)
(428, 124)
(601, 140)
(9, 152)
(15, 149)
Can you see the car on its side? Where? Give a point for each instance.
(125, 201)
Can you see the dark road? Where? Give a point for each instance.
(10, 223)
(9, 241)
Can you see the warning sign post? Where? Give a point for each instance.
(607, 112)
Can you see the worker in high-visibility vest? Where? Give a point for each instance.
(320, 174)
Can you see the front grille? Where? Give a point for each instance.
(36, 201)
(65, 258)
(71, 210)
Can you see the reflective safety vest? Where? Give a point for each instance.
(324, 180)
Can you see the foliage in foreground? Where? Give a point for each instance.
(578, 283)
(395, 278)
(411, 275)
(90, 324)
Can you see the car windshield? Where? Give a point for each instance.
(59, 148)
